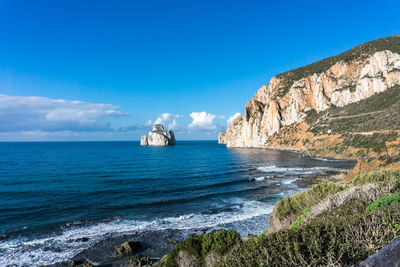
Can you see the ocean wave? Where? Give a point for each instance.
(21, 251)
(297, 170)
(325, 159)
(289, 181)
(261, 178)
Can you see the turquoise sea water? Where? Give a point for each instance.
(52, 194)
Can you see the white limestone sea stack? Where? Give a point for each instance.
(158, 137)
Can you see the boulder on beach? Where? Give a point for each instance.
(128, 248)
(158, 137)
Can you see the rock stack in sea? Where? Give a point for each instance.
(158, 137)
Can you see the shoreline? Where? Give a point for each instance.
(102, 253)
(301, 152)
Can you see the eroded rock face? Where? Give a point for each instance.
(158, 137)
(343, 83)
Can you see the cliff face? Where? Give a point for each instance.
(285, 105)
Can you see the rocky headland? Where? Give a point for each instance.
(346, 106)
(158, 137)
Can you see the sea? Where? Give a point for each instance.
(60, 200)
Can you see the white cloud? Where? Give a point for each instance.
(202, 121)
(173, 125)
(40, 114)
(165, 117)
(232, 118)
(149, 123)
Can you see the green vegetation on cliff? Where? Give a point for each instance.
(345, 232)
(389, 200)
(357, 53)
(324, 242)
(333, 225)
(380, 111)
(200, 246)
(297, 203)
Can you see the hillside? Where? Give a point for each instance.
(328, 225)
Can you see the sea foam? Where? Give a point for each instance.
(21, 251)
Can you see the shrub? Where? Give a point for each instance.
(220, 242)
(384, 177)
(347, 202)
(297, 203)
(376, 141)
(336, 241)
(389, 200)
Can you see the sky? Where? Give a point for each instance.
(108, 70)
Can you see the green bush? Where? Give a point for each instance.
(337, 241)
(389, 200)
(220, 242)
(384, 177)
(297, 203)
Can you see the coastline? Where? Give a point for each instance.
(157, 244)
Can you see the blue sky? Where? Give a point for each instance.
(101, 70)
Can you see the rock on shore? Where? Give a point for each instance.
(158, 137)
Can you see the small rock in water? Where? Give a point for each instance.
(128, 248)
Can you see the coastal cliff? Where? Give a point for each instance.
(321, 107)
(347, 106)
